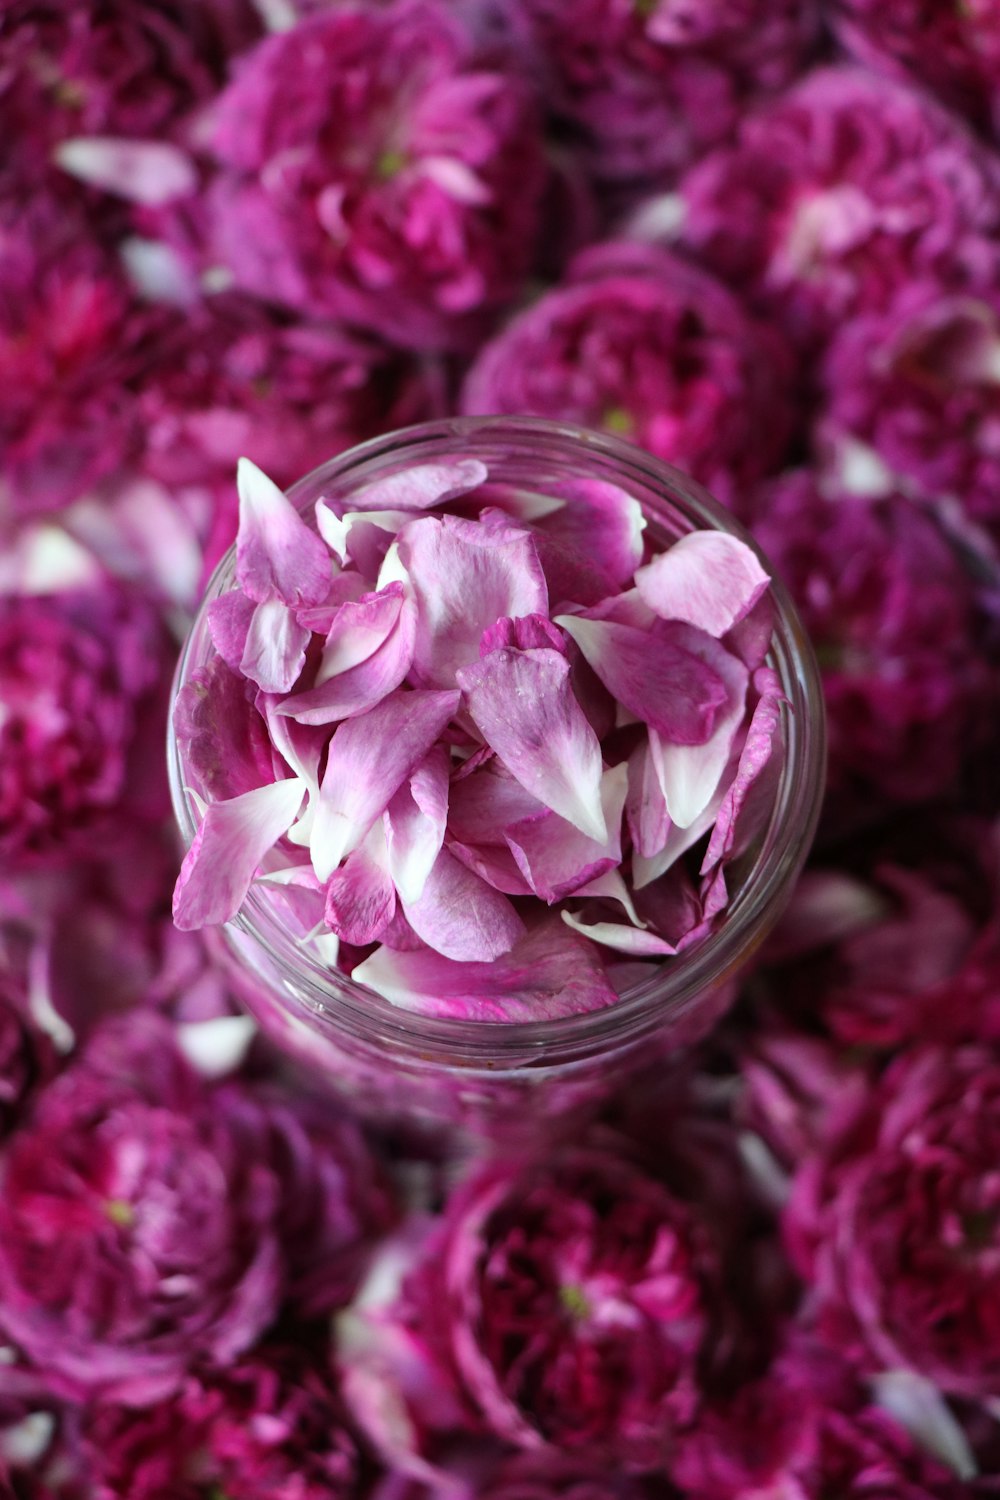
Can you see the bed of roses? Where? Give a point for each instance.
(761, 239)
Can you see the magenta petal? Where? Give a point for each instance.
(690, 774)
(415, 822)
(708, 578)
(229, 619)
(748, 801)
(231, 841)
(522, 635)
(360, 897)
(465, 576)
(646, 869)
(601, 522)
(358, 629)
(369, 759)
(751, 639)
(557, 859)
(663, 676)
(275, 649)
(645, 806)
(493, 863)
(421, 486)
(277, 556)
(523, 705)
(549, 973)
(482, 805)
(460, 916)
(357, 690)
(220, 733)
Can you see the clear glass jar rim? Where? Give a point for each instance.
(678, 981)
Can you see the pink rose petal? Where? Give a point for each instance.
(601, 522)
(147, 172)
(523, 634)
(750, 640)
(358, 629)
(690, 774)
(646, 869)
(277, 556)
(220, 734)
(460, 916)
(359, 688)
(645, 806)
(522, 703)
(415, 821)
(708, 578)
(421, 486)
(275, 649)
(369, 759)
(557, 859)
(620, 936)
(493, 863)
(231, 841)
(360, 897)
(663, 676)
(229, 619)
(750, 798)
(464, 578)
(551, 972)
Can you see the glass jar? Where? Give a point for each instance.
(498, 1079)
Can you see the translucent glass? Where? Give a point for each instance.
(499, 1078)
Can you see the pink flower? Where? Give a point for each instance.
(151, 1223)
(73, 341)
(838, 194)
(953, 51)
(27, 1057)
(637, 342)
(651, 86)
(367, 167)
(571, 1306)
(82, 689)
(893, 616)
(910, 400)
(269, 1424)
(894, 1223)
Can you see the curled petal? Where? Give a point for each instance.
(645, 805)
(460, 916)
(369, 759)
(523, 706)
(229, 619)
(690, 774)
(465, 576)
(275, 649)
(231, 841)
(360, 898)
(620, 936)
(601, 522)
(277, 556)
(749, 799)
(522, 635)
(557, 859)
(415, 822)
(358, 629)
(359, 688)
(708, 578)
(421, 486)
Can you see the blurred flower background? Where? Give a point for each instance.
(760, 238)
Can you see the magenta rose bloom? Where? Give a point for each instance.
(150, 1223)
(838, 194)
(27, 1057)
(82, 679)
(73, 340)
(572, 1305)
(639, 343)
(895, 1224)
(270, 1424)
(893, 616)
(652, 86)
(910, 400)
(954, 50)
(368, 168)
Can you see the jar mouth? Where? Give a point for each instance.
(673, 986)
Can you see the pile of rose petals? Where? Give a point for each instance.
(488, 727)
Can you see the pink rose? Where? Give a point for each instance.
(368, 168)
(894, 1223)
(640, 343)
(895, 622)
(910, 399)
(651, 86)
(839, 193)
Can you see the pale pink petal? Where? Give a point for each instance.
(460, 916)
(369, 759)
(231, 841)
(358, 629)
(549, 973)
(708, 578)
(421, 486)
(275, 649)
(523, 634)
(359, 537)
(663, 676)
(601, 522)
(523, 705)
(357, 690)
(360, 897)
(465, 577)
(555, 858)
(229, 619)
(345, 588)
(147, 172)
(645, 807)
(277, 556)
(690, 774)
(748, 802)
(415, 822)
(620, 936)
